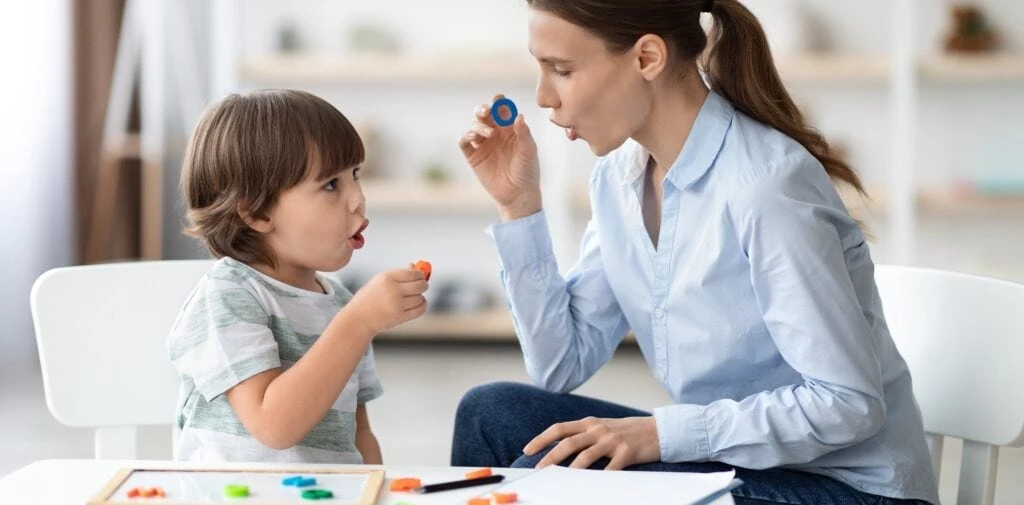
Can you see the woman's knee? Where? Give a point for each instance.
(494, 399)
(525, 461)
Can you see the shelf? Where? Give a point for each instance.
(953, 205)
(974, 68)
(940, 203)
(413, 196)
(932, 203)
(389, 69)
(488, 326)
(504, 68)
(833, 68)
(494, 325)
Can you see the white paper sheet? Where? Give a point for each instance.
(556, 485)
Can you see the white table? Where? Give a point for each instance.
(76, 481)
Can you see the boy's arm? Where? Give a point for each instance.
(279, 408)
(366, 441)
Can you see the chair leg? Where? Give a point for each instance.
(936, 443)
(116, 443)
(978, 474)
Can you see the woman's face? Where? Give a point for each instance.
(596, 95)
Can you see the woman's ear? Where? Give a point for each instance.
(259, 224)
(651, 55)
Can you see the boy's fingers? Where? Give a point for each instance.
(414, 288)
(415, 306)
(405, 275)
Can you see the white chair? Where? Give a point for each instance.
(102, 332)
(963, 339)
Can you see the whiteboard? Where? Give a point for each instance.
(194, 486)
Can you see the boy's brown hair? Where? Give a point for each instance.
(246, 150)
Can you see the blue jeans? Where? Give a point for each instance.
(494, 422)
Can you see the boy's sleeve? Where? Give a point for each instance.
(369, 382)
(222, 338)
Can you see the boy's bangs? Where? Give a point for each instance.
(334, 146)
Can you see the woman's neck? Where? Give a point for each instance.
(673, 112)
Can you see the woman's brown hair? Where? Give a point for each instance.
(738, 63)
(246, 150)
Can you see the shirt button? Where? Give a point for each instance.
(659, 313)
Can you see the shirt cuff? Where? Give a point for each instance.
(369, 392)
(682, 434)
(522, 242)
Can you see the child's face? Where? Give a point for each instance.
(316, 224)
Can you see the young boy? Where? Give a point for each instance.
(275, 357)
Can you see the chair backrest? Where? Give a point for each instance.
(963, 339)
(102, 331)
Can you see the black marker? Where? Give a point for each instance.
(459, 484)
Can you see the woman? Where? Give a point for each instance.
(718, 237)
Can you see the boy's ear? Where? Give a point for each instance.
(260, 224)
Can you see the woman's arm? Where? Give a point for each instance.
(568, 327)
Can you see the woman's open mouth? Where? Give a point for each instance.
(570, 131)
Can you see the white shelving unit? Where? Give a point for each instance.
(900, 75)
(811, 68)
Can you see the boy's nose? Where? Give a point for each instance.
(358, 203)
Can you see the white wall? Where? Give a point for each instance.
(35, 171)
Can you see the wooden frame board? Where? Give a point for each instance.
(193, 486)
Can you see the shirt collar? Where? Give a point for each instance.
(700, 150)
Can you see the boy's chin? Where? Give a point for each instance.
(336, 264)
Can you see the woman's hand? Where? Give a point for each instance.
(504, 159)
(628, 441)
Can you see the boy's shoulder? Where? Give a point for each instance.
(231, 278)
(228, 272)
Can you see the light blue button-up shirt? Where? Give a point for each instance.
(757, 311)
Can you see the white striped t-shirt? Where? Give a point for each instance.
(237, 323)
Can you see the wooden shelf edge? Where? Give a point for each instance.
(491, 325)
(804, 68)
(376, 69)
(974, 68)
(488, 326)
(398, 195)
(929, 203)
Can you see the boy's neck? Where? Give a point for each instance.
(299, 277)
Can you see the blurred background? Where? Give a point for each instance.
(924, 97)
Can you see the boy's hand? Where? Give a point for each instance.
(390, 299)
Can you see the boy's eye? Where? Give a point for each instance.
(331, 185)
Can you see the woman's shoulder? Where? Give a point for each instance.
(753, 149)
